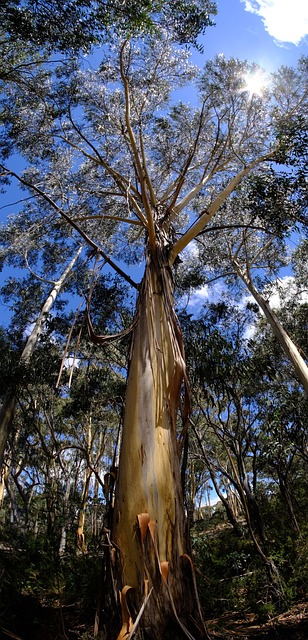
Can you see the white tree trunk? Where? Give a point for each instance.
(62, 545)
(9, 404)
(284, 339)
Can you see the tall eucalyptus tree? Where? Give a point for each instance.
(123, 166)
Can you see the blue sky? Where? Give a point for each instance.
(261, 31)
(264, 31)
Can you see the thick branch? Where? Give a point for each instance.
(106, 217)
(181, 177)
(284, 339)
(208, 214)
(142, 173)
(122, 182)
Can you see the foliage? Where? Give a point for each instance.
(80, 24)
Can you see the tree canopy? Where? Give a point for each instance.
(79, 24)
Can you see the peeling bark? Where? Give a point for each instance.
(148, 524)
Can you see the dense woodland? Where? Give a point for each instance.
(125, 405)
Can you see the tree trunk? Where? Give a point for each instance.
(6, 418)
(148, 522)
(80, 541)
(51, 501)
(284, 339)
(9, 404)
(285, 492)
(11, 492)
(65, 511)
(3, 477)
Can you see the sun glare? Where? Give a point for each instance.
(255, 84)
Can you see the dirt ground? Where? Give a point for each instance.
(292, 625)
(67, 623)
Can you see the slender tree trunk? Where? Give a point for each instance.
(230, 512)
(252, 515)
(95, 523)
(252, 503)
(62, 545)
(9, 404)
(148, 524)
(95, 517)
(6, 418)
(11, 492)
(2, 487)
(283, 486)
(51, 501)
(80, 542)
(284, 339)
(229, 508)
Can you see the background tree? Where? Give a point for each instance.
(248, 243)
(243, 438)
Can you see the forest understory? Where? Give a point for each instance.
(36, 620)
(44, 597)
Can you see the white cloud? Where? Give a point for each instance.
(191, 251)
(215, 500)
(285, 289)
(285, 21)
(199, 297)
(71, 362)
(244, 301)
(207, 293)
(249, 332)
(281, 291)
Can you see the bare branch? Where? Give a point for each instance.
(141, 170)
(36, 274)
(122, 182)
(208, 214)
(106, 217)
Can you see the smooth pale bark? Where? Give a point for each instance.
(80, 541)
(6, 417)
(3, 480)
(65, 512)
(284, 339)
(207, 215)
(148, 527)
(9, 404)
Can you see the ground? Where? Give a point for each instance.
(35, 621)
(292, 625)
